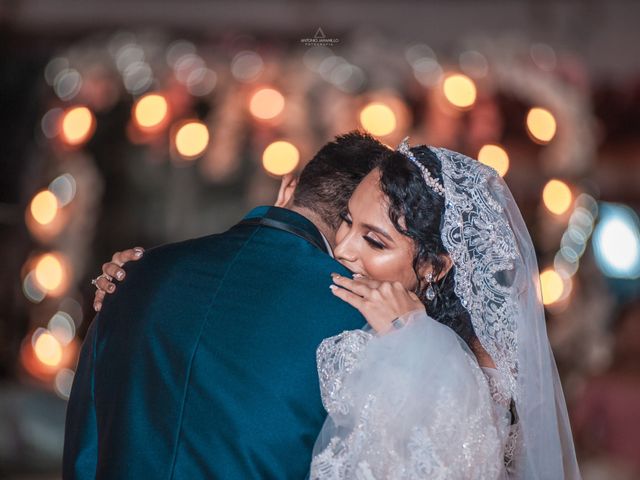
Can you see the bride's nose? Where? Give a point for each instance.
(345, 250)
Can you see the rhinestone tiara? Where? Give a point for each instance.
(428, 179)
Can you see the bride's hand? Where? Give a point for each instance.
(379, 302)
(113, 270)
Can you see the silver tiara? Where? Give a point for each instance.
(428, 179)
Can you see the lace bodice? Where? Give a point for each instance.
(402, 419)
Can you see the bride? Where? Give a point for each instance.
(454, 376)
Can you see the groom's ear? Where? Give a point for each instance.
(288, 186)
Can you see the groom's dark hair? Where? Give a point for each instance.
(328, 180)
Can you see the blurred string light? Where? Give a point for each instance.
(616, 241)
(62, 327)
(473, 63)
(191, 139)
(266, 104)
(554, 286)
(177, 50)
(557, 196)
(32, 290)
(64, 188)
(44, 207)
(67, 84)
(51, 273)
(424, 63)
(378, 119)
(280, 157)
(541, 125)
(577, 235)
(50, 122)
(247, 66)
(46, 348)
(78, 124)
(54, 67)
(496, 157)
(459, 90)
(63, 382)
(201, 82)
(150, 112)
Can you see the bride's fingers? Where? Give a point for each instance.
(113, 270)
(97, 300)
(372, 284)
(359, 288)
(120, 258)
(349, 297)
(103, 283)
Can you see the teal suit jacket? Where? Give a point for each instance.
(202, 365)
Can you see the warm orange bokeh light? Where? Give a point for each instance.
(44, 207)
(78, 124)
(557, 196)
(47, 349)
(378, 119)
(552, 286)
(496, 157)
(266, 104)
(459, 90)
(541, 125)
(192, 139)
(280, 158)
(50, 272)
(150, 112)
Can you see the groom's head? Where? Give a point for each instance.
(326, 183)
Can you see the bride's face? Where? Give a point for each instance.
(368, 243)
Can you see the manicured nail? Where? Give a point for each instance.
(334, 275)
(357, 275)
(111, 288)
(97, 306)
(332, 287)
(138, 252)
(120, 275)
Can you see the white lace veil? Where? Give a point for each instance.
(497, 281)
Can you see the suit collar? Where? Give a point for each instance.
(291, 218)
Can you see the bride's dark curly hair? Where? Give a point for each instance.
(417, 212)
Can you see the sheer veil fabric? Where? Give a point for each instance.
(415, 403)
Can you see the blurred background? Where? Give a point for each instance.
(142, 122)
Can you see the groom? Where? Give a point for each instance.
(203, 363)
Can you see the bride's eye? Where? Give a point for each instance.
(374, 243)
(345, 218)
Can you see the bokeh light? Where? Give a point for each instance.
(459, 90)
(63, 382)
(64, 188)
(44, 207)
(378, 119)
(47, 348)
(616, 242)
(191, 139)
(280, 158)
(62, 326)
(32, 290)
(557, 196)
(541, 125)
(78, 124)
(552, 286)
(495, 157)
(266, 103)
(150, 111)
(51, 273)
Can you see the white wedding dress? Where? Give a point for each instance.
(414, 403)
(409, 404)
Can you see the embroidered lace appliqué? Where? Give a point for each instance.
(477, 235)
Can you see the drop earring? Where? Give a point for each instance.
(430, 292)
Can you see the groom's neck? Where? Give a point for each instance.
(328, 232)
